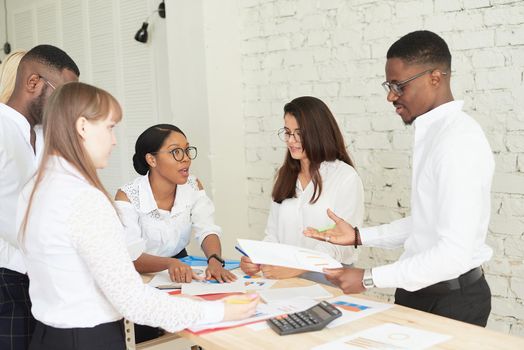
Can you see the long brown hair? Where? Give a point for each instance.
(321, 140)
(65, 106)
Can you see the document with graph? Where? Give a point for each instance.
(387, 336)
(355, 308)
(287, 255)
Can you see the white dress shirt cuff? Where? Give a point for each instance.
(213, 312)
(369, 236)
(385, 276)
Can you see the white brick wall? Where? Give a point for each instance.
(335, 50)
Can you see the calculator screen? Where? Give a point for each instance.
(321, 312)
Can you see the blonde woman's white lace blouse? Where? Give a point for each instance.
(80, 270)
(166, 233)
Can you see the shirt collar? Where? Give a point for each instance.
(145, 195)
(423, 123)
(17, 118)
(324, 169)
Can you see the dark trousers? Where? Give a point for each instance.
(144, 333)
(16, 321)
(106, 336)
(471, 304)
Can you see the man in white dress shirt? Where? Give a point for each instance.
(41, 70)
(444, 238)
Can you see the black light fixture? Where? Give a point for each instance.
(142, 35)
(7, 46)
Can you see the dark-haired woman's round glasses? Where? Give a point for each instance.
(178, 153)
(284, 134)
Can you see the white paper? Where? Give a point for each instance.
(278, 294)
(255, 283)
(354, 309)
(264, 311)
(163, 281)
(287, 255)
(388, 336)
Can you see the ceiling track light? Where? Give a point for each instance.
(142, 34)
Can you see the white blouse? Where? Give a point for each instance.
(80, 271)
(166, 233)
(342, 192)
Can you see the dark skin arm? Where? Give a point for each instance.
(211, 245)
(178, 271)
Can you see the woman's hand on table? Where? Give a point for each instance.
(215, 270)
(181, 273)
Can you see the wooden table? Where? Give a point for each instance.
(465, 336)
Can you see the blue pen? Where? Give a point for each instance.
(241, 251)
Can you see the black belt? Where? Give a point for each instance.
(461, 281)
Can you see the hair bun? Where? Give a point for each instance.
(140, 165)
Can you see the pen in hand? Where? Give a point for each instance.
(241, 251)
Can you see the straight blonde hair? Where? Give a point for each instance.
(8, 71)
(65, 106)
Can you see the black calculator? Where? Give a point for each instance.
(312, 319)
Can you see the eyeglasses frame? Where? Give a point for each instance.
(184, 150)
(46, 81)
(287, 135)
(397, 88)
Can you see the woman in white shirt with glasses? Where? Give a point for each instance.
(161, 208)
(317, 174)
(165, 204)
(82, 281)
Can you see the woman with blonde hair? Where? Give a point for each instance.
(82, 278)
(8, 70)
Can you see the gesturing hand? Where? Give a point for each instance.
(342, 234)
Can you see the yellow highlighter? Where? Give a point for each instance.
(241, 301)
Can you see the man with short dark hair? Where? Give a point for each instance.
(41, 71)
(444, 238)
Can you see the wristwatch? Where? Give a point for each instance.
(214, 256)
(367, 280)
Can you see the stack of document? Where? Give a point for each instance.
(204, 287)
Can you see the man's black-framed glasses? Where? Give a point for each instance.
(284, 134)
(397, 87)
(178, 153)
